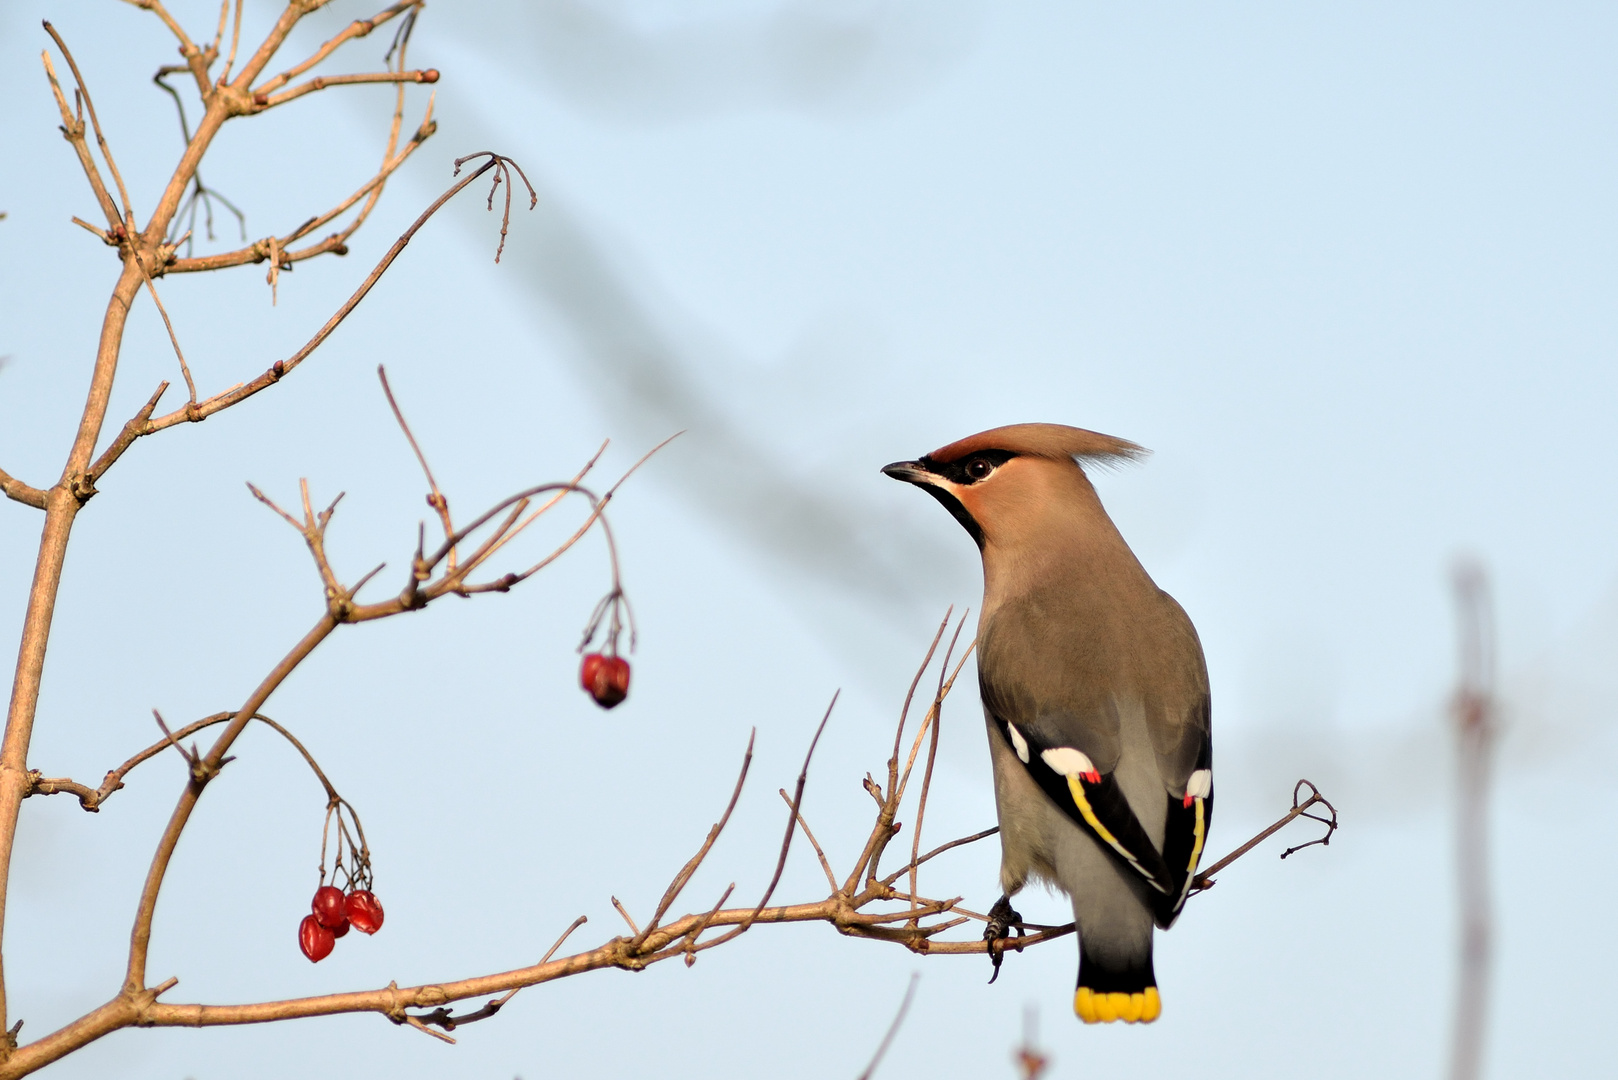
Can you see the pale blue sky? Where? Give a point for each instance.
(1348, 271)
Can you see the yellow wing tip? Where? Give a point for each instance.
(1141, 1007)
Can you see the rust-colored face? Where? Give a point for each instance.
(960, 485)
(993, 497)
(995, 481)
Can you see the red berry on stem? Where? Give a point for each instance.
(605, 678)
(328, 907)
(315, 940)
(364, 911)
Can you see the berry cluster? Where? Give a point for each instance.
(331, 914)
(334, 909)
(605, 678)
(605, 675)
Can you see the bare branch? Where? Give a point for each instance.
(633, 929)
(202, 773)
(267, 501)
(425, 1030)
(580, 921)
(888, 804)
(174, 340)
(672, 893)
(187, 46)
(202, 196)
(936, 713)
(435, 498)
(279, 370)
(357, 29)
(101, 140)
(92, 230)
(131, 431)
(449, 1022)
(270, 101)
(235, 40)
(695, 933)
(20, 492)
(831, 878)
(73, 132)
(939, 850)
(792, 827)
(1205, 880)
(278, 250)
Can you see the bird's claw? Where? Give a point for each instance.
(1001, 919)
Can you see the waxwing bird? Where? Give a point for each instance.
(1096, 697)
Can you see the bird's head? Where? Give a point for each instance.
(998, 483)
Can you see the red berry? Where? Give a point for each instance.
(315, 940)
(364, 911)
(605, 678)
(328, 906)
(589, 669)
(341, 930)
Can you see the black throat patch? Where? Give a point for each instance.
(959, 472)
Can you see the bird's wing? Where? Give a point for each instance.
(1071, 777)
(1178, 719)
(1095, 801)
(1188, 776)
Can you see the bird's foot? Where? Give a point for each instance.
(1001, 919)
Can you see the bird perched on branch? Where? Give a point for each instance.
(1096, 697)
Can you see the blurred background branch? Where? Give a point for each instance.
(1474, 716)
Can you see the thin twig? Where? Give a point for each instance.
(939, 850)
(831, 878)
(279, 247)
(279, 370)
(186, 45)
(357, 29)
(580, 921)
(73, 129)
(235, 39)
(126, 437)
(672, 893)
(425, 1030)
(436, 499)
(696, 932)
(1205, 879)
(450, 1022)
(937, 715)
(24, 493)
(93, 798)
(101, 141)
(633, 929)
(887, 803)
(174, 340)
(893, 1028)
(427, 75)
(786, 843)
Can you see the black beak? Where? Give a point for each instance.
(917, 472)
(911, 472)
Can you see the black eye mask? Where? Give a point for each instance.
(957, 472)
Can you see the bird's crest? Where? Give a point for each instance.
(1054, 441)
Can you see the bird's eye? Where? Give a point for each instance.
(978, 468)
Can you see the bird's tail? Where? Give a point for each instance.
(1115, 988)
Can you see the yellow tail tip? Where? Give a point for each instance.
(1141, 1007)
